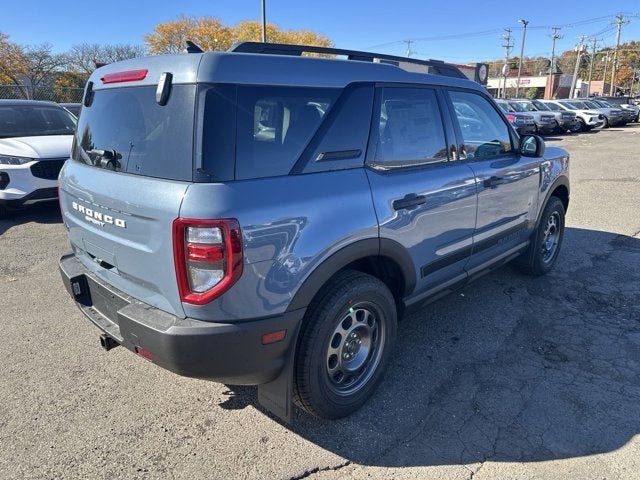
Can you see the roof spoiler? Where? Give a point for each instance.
(437, 67)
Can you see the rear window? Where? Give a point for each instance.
(35, 120)
(274, 125)
(125, 130)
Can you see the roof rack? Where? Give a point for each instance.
(437, 67)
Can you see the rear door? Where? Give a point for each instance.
(507, 182)
(424, 198)
(132, 162)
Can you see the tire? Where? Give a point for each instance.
(583, 126)
(329, 351)
(606, 123)
(4, 213)
(542, 253)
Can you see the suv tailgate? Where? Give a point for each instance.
(120, 227)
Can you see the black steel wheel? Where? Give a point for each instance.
(344, 346)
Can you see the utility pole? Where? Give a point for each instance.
(554, 36)
(524, 37)
(552, 68)
(505, 71)
(593, 60)
(579, 49)
(619, 22)
(604, 76)
(264, 21)
(409, 51)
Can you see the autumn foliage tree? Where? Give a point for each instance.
(211, 34)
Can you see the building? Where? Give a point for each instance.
(550, 86)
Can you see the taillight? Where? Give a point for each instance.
(128, 76)
(511, 118)
(208, 257)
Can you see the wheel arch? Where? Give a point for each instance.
(560, 188)
(385, 259)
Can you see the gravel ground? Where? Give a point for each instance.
(512, 377)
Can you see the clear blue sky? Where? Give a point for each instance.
(357, 24)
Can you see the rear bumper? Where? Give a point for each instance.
(229, 353)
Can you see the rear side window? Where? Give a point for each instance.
(274, 125)
(485, 134)
(125, 130)
(409, 128)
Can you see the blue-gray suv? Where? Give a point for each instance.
(262, 217)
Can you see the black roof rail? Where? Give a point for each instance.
(437, 67)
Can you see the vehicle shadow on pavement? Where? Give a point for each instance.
(512, 368)
(45, 212)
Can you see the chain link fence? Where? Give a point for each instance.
(50, 93)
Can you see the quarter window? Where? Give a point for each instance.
(484, 132)
(409, 128)
(275, 124)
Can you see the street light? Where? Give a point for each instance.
(264, 21)
(524, 37)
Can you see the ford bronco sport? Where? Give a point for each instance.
(261, 217)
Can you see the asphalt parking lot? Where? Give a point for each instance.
(511, 378)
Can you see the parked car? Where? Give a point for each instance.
(626, 103)
(628, 115)
(264, 219)
(545, 121)
(522, 122)
(589, 119)
(73, 108)
(612, 116)
(35, 141)
(565, 121)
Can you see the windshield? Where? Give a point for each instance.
(527, 107)
(517, 107)
(553, 107)
(503, 107)
(125, 130)
(541, 106)
(35, 121)
(604, 104)
(590, 104)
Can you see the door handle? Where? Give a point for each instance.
(493, 182)
(410, 200)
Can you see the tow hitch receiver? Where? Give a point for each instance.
(107, 342)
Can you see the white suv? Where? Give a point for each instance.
(35, 141)
(588, 118)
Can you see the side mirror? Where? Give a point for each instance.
(532, 146)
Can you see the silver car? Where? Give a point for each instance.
(545, 121)
(565, 120)
(612, 116)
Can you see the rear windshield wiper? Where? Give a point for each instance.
(107, 159)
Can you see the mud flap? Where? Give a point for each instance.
(277, 395)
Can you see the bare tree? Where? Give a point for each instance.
(28, 67)
(83, 58)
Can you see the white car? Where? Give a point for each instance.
(35, 141)
(588, 119)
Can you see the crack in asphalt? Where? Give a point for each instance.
(314, 471)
